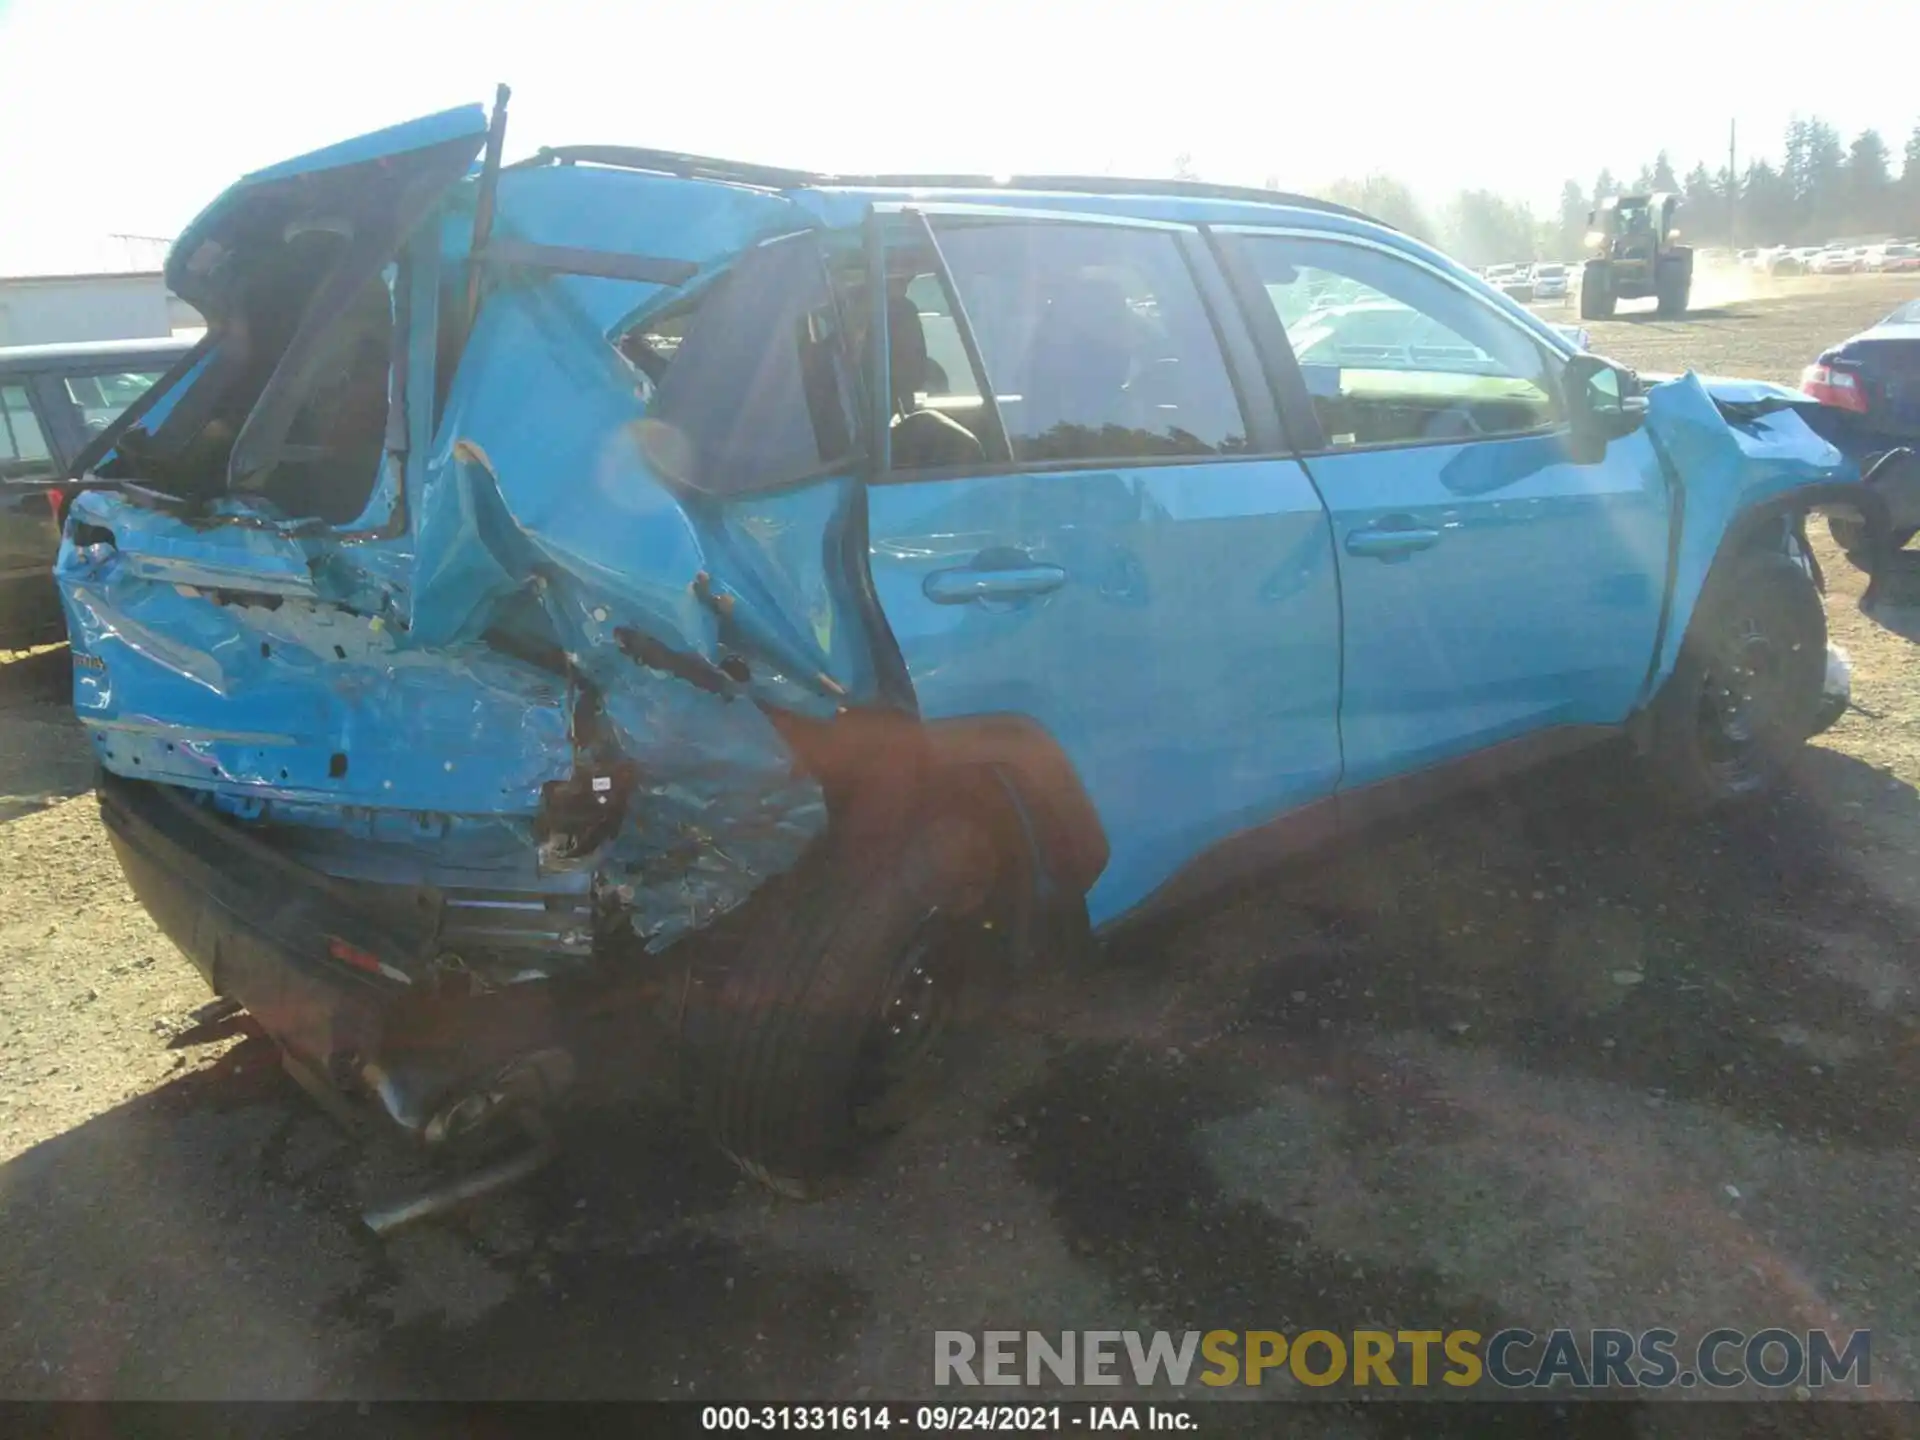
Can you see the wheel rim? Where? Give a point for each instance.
(1741, 699)
(925, 998)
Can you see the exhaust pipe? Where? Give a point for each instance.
(439, 1199)
(426, 1102)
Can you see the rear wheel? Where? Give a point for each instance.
(1748, 689)
(852, 997)
(1672, 282)
(1596, 291)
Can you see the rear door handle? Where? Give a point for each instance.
(1391, 539)
(965, 583)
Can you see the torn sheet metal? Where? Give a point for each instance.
(558, 628)
(1725, 466)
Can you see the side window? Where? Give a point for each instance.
(1094, 339)
(748, 387)
(1393, 354)
(101, 398)
(23, 448)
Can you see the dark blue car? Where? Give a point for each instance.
(1871, 384)
(788, 604)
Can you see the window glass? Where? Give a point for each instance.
(101, 398)
(1392, 354)
(749, 388)
(1094, 338)
(23, 448)
(327, 460)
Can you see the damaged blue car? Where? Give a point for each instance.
(792, 603)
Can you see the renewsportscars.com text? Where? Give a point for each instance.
(1512, 1359)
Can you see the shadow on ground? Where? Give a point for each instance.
(204, 1239)
(43, 756)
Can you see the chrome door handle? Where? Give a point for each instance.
(1386, 541)
(964, 583)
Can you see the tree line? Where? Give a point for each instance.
(1823, 189)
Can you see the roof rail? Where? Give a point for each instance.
(672, 162)
(775, 177)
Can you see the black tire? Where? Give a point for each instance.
(1672, 287)
(1748, 688)
(1850, 534)
(789, 1057)
(1596, 291)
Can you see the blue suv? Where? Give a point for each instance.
(622, 583)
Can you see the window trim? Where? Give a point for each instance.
(1266, 435)
(1289, 384)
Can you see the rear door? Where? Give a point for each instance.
(1089, 518)
(1494, 584)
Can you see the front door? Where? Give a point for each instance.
(1494, 586)
(1086, 521)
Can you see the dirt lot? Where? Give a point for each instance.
(1536, 1063)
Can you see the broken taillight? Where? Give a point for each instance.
(353, 955)
(1831, 385)
(57, 501)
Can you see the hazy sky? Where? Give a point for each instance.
(129, 115)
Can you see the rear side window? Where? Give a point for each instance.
(1094, 338)
(749, 387)
(23, 448)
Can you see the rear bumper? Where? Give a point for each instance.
(260, 929)
(255, 930)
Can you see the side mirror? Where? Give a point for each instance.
(1603, 403)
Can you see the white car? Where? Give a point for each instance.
(1892, 257)
(1834, 262)
(1550, 282)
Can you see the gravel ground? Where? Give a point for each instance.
(1537, 1062)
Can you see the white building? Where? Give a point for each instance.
(110, 290)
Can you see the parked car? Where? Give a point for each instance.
(53, 399)
(1839, 261)
(786, 605)
(1517, 282)
(1893, 258)
(1871, 386)
(1550, 282)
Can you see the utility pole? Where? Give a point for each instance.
(1733, 191)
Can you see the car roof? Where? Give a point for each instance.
(1114, 189)
(837, 201)
(16, 359)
